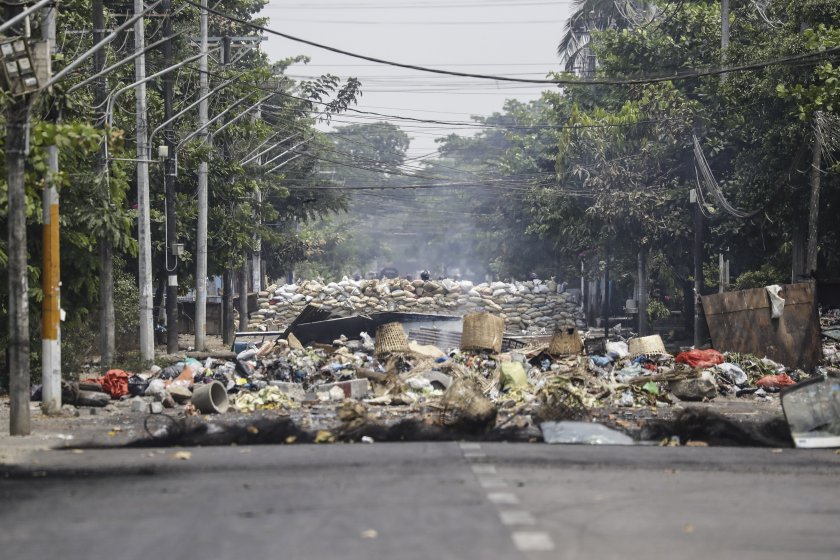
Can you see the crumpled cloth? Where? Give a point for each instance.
(775, 381)
(701, 358)
(114, 382)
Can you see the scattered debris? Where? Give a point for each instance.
(698, 389)
(583, 432)
(812, 410)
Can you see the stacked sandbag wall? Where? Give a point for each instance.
(531, 306)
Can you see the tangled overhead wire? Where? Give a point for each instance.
(712, 184)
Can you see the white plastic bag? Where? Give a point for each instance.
(777, 303)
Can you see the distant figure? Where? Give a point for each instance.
(389, 272)
(425, 275)
(532, 276)
(357, 277)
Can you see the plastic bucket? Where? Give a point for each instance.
(211, 398)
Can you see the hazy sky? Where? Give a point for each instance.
(499, 37)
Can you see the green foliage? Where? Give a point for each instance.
(126, 305)
(764, 276)
(98, 206)
(79, 340)
(657, 310)
(821, 92)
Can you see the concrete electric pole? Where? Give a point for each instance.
(172, 252)
(51, 274)
(147, 340)
(107, 325)
(203, 168)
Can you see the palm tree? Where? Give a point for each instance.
(596, 15)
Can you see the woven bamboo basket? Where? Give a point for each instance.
(482, 331)
(565, 342)
(390, 338)
(646, 346)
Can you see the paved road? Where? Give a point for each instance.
(422, 501)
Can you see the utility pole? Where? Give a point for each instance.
(201, 234)
(172, 253)
(256, 260)
(606, 308)
(724, 34)
(243, 296)
(17, 123)
(814, 201)
(227, 306)
(256, 257)
(227, 282)
(723, 273)
(106, 246)
(699, 318)
(643, 290)
(724, 25)
(51, 274)
(147, 340)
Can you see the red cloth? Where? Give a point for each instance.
(701, 359)
(115, 382)
(775, 381)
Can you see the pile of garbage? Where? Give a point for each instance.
(830, 328)
(551, 390)
(284, 376)
(530, 305)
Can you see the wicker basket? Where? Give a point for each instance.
(647, 346)
(482, 331)
(565, 342)
(390, 338)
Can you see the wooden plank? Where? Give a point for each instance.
(741, 322)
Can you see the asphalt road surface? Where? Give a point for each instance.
(422, 501)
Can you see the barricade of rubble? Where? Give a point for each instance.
(353, 388)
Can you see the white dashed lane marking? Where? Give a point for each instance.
(474, 455)
(487, 476)
(532, 541)
(503, 498)
(516, 517)
(492, 482)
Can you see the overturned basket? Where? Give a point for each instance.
(560, 403)
(646, 346)
(482, 331)
(565, 342)
(390, 338)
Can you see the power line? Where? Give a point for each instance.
(418, 6)
(420, 22)
(445, 123)
(695, 73)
